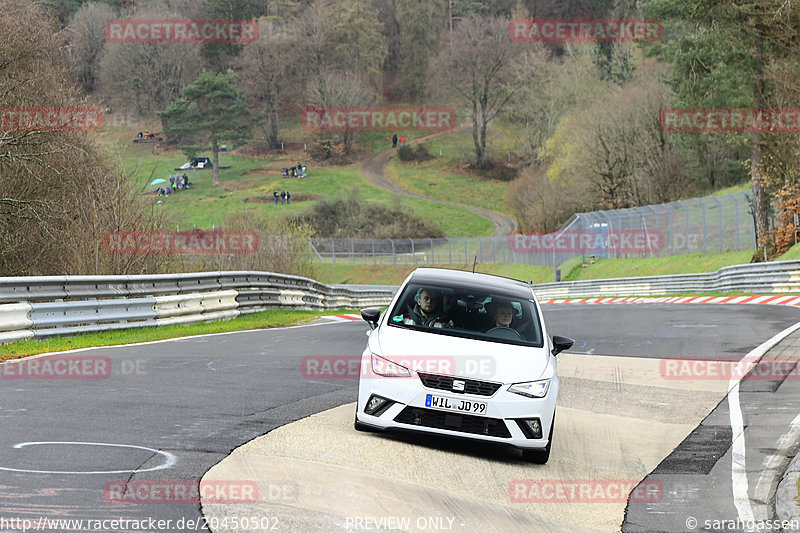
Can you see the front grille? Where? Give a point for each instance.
(478, 425)
(471, 386)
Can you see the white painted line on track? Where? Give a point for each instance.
(739, 483)
(169, 462)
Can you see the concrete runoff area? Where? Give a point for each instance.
(612, 426)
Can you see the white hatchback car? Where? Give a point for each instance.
(461, 354)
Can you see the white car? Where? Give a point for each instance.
(461, 354)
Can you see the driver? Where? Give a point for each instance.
(428, 310)
(502, 313)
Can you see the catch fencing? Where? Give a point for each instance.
(700, 225)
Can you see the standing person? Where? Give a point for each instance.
(401, 141)
(275, 195)
(288, 197)
(394, 141)
(171, 180)
(283, 197)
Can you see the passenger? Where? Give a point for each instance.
(427, 310)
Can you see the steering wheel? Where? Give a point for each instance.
(505, 333)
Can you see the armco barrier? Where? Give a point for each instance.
(14, 322)
(62, 305)
(763, 278)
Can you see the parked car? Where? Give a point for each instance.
(197, 163)
(461, 354)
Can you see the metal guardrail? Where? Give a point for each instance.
(62, 305)
(774, 277)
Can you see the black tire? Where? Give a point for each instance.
(541, 457)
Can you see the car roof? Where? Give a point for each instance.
(485, 282)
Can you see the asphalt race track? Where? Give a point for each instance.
(169, 411)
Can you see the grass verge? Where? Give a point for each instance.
(395, 274)
(273, 318)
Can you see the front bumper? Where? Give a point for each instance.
(499, 424)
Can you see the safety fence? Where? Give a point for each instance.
(711, 224)
(63, 305)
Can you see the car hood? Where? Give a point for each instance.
(448, 355)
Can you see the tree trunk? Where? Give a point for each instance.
(215, 149)
(760, 199)
(475, 135)
(273, 127)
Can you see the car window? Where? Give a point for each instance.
(468, 312)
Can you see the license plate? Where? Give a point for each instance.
(458, 405)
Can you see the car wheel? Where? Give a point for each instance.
(541, 457)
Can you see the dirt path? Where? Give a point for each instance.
(374, 171)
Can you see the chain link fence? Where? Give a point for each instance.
(711, 224)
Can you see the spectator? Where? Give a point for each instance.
(275, 195)
(401, 141)
(171, 180)
(185, 181)
(394, 141)
(283, 197)
(140, 135)
(288, 197)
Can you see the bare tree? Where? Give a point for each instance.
(148, 76)
(616, 143)
(548, 87)
(475, 66)
(87, 42)
(341, 91)
(57, 194)
(268, 75)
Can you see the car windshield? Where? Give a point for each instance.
(468, 312)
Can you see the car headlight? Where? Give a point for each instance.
(531, 389)
(389, 369)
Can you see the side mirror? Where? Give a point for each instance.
(561, 343)
(371, 315)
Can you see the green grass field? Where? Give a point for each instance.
(266, 319)
(658, 266)
(430, 179)
(250, 182)
(394, 275)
